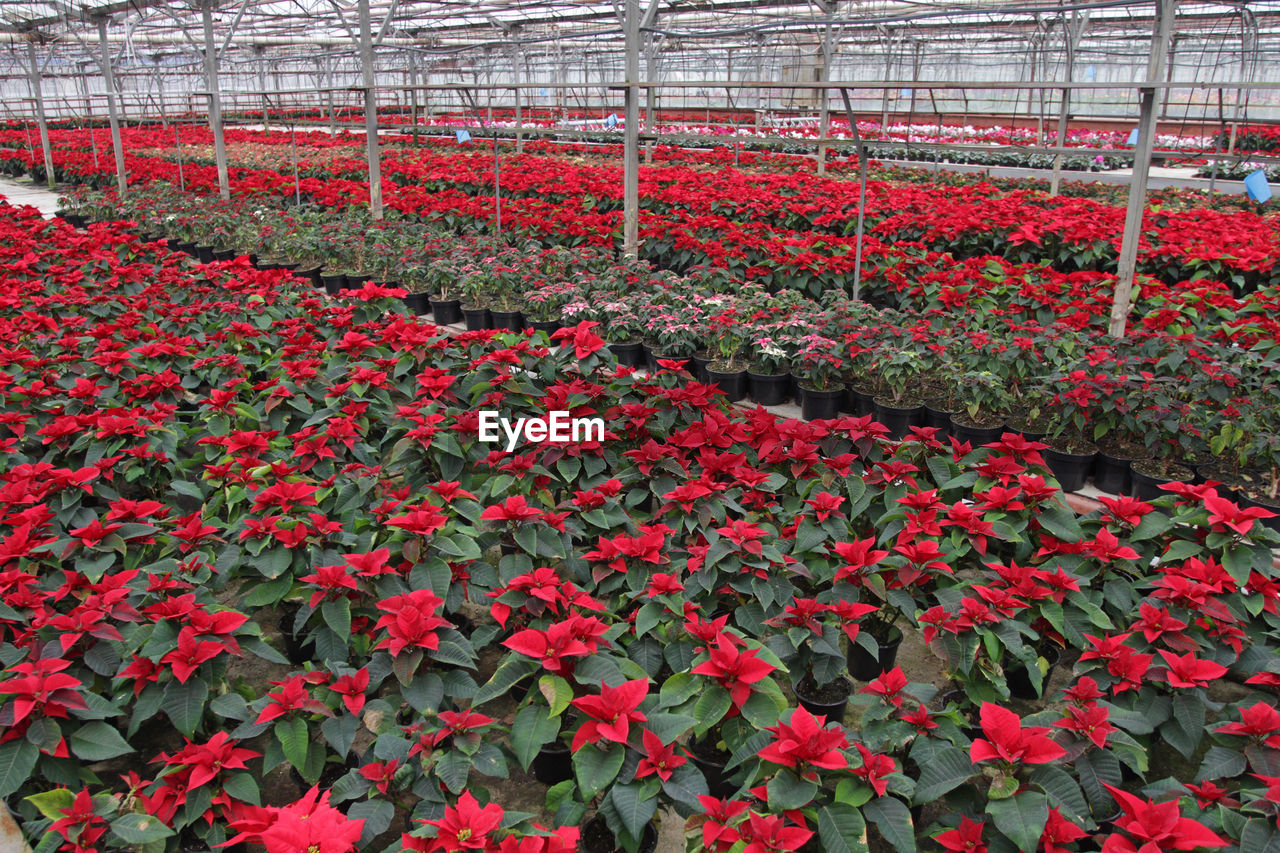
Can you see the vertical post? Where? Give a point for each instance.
(333, 121)
(824, 115)
(38, 94)
(888, 69)
(1127, 263)
(262, 84)
(122, 180)
(861, 149)
(413, 95)
(370, 113)
(631, 145)
(215, 102)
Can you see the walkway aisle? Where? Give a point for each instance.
(24, 192)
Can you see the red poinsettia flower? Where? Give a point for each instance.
(1155, 826)
(1259, 722)
(661, 759)
(411, 621)
(1059, 831)
(1006, 739)
(966, 838)
(874, 770)
(805, 742)
(352, 689)
(1189, 671)
(581, 338)
(733, 668)
(465, 826)
(611, 713)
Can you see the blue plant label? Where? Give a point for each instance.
(1257, 187)
(612, 120)
(542, 93)
(905, 93)
(463, 136)
(1091, 73)
(1133, 137)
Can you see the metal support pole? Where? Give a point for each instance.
(215, 103)
(631, 134)
(122, 180)
(262, 84)
(413, 96)
(824, 115)
(38, 94)
(1127, 264)
(861, 151)
(370, 113)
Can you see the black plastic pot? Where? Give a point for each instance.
(1247, 502)
(417, 303)
(714, 772)
(833, 711)
(937, 417)
(224, 254)
(311, 274)
(357, 280)
(333, 282)
(700, 373)
(477, 319)
(899, 420)
(976, 435)
(1147, 486)
(553, 764)
(75, 220)
(598, 838)
(447, 312)
(512, 321)
(821, 404)
(734, 384)
(1070, 469)
(866, 667)
(769, 389)
(204, 254)
(1111, 474)
(1019, 680)
(629, 354)
(864, 402)
(548, 326)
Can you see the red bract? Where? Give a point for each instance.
(204, 761)
(465, 826)
(1189, 671)
(875, 767)
(80, 826)
(1225, 513)
(1259, 722)
(967, 838)
(611, 713)
(660, 758)
(352, 689)
(309, 825)
(733, 668)
(581, 338)
(411, 621)
(1151, 826)
(805, 742)
(515, 508)
(41, 687)
(1006, 740)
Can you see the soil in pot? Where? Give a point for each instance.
(1029, 428)
(727, 378)
(1150, 474)
(598, 838)
(769, 389)
(820, 403)
(867, 667)
(899, 416)
(827, 700)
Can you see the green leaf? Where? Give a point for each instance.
(184, 703)
(533, 729)
(1221, 763)
(53, 803)
(337, 615)
(596, 768)
(893, 820)
(1062, 790)
(294, 740)
(140, 828)
(634, 807)
(946, 770)
(97, 742)
(842, 829)
(712, 705)
(512, 670)
(1021, 817)
(557, 692)
(788, 791)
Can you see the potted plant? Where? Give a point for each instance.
(817, 368)
(729, 370)
(769, 374)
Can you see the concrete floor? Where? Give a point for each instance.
(24, 192)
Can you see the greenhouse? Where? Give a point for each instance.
(656, 425)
